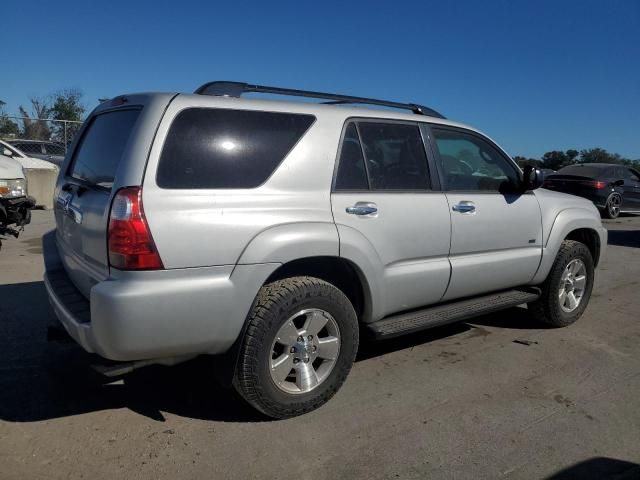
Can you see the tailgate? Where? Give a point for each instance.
(111, 153)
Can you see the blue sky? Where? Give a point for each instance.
(535, 75)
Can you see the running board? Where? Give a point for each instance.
(455, 311)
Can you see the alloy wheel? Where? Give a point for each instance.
(304, 351)
(614, 205)
(572, 285)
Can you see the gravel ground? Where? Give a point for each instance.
(463, 401)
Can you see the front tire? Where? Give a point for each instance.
(300, 344)
(567, 289)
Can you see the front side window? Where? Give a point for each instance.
(395, 156)
(472, 164)
(221, 148)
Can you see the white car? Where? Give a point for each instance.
(26, 161)
(15, 204)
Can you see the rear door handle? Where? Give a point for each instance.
(363, 209)
(465, 206)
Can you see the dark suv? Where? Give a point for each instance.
(614, 189)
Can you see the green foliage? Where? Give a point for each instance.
(600, 155)
(62, 105)
(32, 127)
(8, 128)
(66, 105)
(524, 161)
(556, 159)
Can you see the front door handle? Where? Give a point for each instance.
(465, 206)
(363, 209)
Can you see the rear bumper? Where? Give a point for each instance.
(158, 314)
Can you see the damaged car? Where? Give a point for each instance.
(15, 204)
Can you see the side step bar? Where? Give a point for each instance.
(455, 311)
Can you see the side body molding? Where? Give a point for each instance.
(564, 223)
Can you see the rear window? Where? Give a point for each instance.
(97, 157)
(220, 148)
(582, 170)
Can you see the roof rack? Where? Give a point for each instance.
(236, 89)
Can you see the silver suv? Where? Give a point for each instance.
(280, 233)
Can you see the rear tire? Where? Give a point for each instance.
(567, 289)
(612, 207)
(300, 344)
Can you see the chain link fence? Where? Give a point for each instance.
(43, 138)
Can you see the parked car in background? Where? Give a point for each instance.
(25, 160)
(614, 189)
(15, 204)
(546, 172)
(50, 151)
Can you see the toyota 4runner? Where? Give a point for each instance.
(279, 233)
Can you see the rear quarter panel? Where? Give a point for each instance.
(206, 227)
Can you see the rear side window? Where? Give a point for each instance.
(220, 148)
(395, 156)
(351, 171)
(97, 156)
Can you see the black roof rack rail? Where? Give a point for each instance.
(236, 89)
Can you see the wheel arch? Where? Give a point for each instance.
(572, 224)
(340, 272)
(590, 238)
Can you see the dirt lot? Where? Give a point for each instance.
(464, 401)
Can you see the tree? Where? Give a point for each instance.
(556, 159)
(572, 155)
(33, 126)
(66, 105)
(600, 155)
(8, 128)
(524, 161)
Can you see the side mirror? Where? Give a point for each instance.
(531, 178)
(6, 152)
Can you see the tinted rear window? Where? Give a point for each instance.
(582, 170)
(97, 156)
(219, 148)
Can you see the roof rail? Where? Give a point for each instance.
(236, 89)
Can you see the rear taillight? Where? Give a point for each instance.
(130, 243)
(598, 185)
